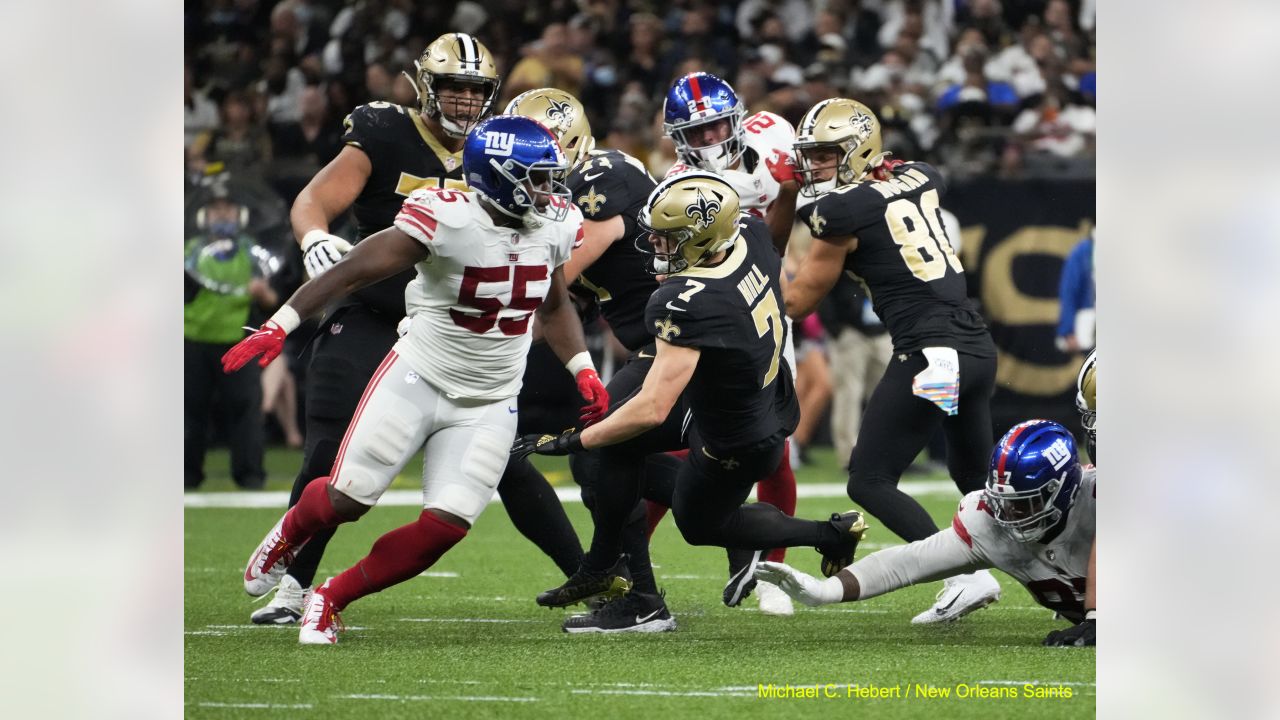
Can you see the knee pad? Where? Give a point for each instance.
(467, 494)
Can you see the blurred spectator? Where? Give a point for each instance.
(1077, 314)
(378, 82)
(242, 146)
(281, 86)
(546, 63)
(223, 282)
(795, 18)
(928, 21)
(642, 65)
(280, 399)
(301, 148)
(859, 349)
(1058, 124)
(199, 114)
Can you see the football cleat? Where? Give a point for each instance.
(961, 595)
(586, 585)
(268, 564)
(320, 621)
(838, 555)
(635, 612)
(742, 580)
(773, 601)
(286, 607)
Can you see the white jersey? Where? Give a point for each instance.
(471, 304)
(1054, 572)
(767, 135)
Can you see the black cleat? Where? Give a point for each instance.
(838, 555)
(585, 585)
(742, 580)
(635, 612)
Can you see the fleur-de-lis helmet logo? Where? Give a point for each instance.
(560, 114)
(703, 211)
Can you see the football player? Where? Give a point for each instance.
(389, 152)
(486, 260)
(1035, 520)
(1087, 402)
(611, 188)
(712, 132)
(878, 220)
(717, 386)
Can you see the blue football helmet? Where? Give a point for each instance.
(1034, 477)
(695, 100)
(515, 164)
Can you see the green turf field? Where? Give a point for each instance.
(468, 641)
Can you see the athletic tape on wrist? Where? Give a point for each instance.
(580, 362)
(287, 318)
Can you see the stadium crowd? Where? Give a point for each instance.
(975, 87)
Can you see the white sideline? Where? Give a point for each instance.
(413, 498)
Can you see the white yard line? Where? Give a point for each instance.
(257, 706)
(462, 698)
(469, 620)
(666, 693)
(570, 494)
(1037, 682)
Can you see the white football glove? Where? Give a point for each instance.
(321, 251)
(807, 589)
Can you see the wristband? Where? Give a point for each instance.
(287, 318)
(580, 362)
(311, 236)
(1091, 615)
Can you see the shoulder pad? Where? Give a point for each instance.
(767, 132)
(448, 206)
(370, 118)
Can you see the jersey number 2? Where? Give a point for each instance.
(489, 306)
(920, 237)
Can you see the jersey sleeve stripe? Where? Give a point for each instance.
(961, 530)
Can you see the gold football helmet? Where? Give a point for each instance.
(1087, 400)
(843, 125)
(693, 216)
(563, 115)
(455, 57)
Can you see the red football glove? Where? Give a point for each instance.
(267, 341)
(885, 171)
(592, 390)
(782, 166)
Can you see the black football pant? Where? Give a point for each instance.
(239, 395)
(896, 425)
(349, 346)
(707, 498)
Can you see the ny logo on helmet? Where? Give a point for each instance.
(499, 143)
(703, 211)
(560, 114)
(1057, 454)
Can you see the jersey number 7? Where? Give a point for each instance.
(768, 318)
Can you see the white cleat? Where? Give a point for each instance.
(773, 601)
(961, 595)
(286, 607)
(268, 564)
(320, 620)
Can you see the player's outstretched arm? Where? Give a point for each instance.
(563, 332)
(673, 366)
(380, 256)
(818, 274)
(327, 196)
(597, 236)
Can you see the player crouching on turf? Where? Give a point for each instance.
(487, 259)
(1035, 521)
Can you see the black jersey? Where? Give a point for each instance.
(405, 156)
(742, 391)
(904, 259)
(614, 183)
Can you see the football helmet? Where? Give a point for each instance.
(695, 213)
(1034, 477)
(1087, 401)
(695, 100)
(562, 114)
(847, 126)
(456, 57)
(513, 162)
